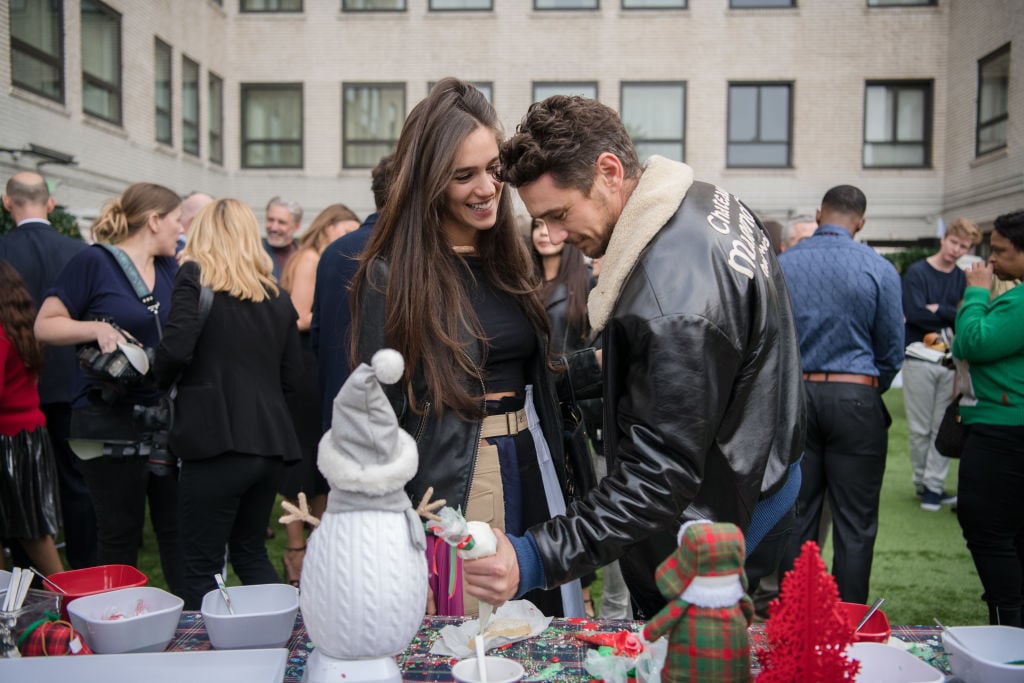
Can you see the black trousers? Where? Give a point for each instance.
(225, 501)
(78, 516)
(990, 507)
(844, 461)
(119, 488)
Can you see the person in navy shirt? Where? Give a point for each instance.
(846, 302)
(93, 301)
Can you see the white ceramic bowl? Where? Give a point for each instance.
(148, 632)
(880, 663)
(499, 670)
(979, 654)
(264, 616)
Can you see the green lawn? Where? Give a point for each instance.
(921, 566)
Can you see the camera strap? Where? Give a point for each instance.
(137, 283)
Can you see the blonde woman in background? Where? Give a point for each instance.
(299, 280)
(93, 301)
(231, 429)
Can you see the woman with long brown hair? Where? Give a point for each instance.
(115, 420)
(446, 281)
(299, 280)
(29, 505)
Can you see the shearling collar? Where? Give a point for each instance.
(656, 198)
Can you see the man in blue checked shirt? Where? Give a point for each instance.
(849, 318)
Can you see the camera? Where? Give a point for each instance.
(154, 425)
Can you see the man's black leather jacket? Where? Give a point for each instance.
(703, 409)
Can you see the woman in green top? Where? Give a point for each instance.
(990, 337)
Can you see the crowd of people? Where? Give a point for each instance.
(724, 369)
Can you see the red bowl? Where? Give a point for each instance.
(78, 583)
(877, 628)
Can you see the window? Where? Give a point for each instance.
(759, 125)
(272, 125)
(565, 4)
(101, 61)
(444, 5)
(216, 118)
(372, 117)
(189, 106)
(543, 90)
(653, 4)
(898, 124)
(373, 5)
(271, 6)
(655, 117)
(162, 91)
(897, 3)
(744, 4)
(37, 48)
(993, 101)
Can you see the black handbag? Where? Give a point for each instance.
(580, 477)
(949, 440)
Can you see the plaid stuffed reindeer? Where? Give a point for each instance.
(708, 611)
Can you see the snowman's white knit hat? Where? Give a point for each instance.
(365, 450)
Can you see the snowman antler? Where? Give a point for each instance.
(298, 514)
(426, 509)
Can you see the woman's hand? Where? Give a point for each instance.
(980, 275)
(108, 336)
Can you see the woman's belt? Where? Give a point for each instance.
(505, 424)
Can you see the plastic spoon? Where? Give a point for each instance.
(223, 592)
(874, 608)
(47, 580)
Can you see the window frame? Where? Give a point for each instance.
(167, 113)
(391, 142)
(33, 52)
(927, 125)
(624, 85)
(980, 125)
(681, 4)
(901, 3)
(586, 84)
(215, 133)
(242, 9)
(728, 122)
(97, 82)
(792, 5)
(597, 6)
(489, 8)
(185, 122)
(244, 91)
(346, 8)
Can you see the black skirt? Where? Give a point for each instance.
(29, 503)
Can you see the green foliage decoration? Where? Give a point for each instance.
(59, 218)
(903, 259)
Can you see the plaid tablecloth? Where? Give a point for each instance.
(553, 656)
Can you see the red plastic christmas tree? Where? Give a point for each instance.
(807, 634)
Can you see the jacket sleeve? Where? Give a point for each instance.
(183, 328)
(666, 428)
(988, 332)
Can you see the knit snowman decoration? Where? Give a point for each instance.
(364, 578)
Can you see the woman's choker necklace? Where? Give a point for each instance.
(465, 250)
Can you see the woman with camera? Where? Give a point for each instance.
(110, 299)
(233, 364)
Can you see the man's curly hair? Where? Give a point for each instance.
(564, 136)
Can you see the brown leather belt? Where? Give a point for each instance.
(506, 424)
(846, 377)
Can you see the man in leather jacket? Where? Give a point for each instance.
(704, 413)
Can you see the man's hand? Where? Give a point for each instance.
(493, 579)
(934, 308)
(980, 275)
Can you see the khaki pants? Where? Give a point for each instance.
(486, 503)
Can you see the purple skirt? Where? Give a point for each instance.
(29, 504)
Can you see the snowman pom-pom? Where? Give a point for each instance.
(388, 366)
